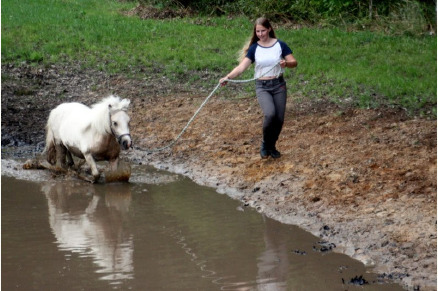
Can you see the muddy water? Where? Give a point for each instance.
(158, 232)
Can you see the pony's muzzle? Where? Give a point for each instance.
(125, 141)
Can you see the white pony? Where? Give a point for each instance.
(93, 134)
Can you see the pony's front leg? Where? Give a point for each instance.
(90, 161)
(118, 171)
(113, 164)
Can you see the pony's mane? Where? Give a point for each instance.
(102, 110)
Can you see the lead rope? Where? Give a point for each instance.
(200, 107)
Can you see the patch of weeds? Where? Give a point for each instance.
(24, 91)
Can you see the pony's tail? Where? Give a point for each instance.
(49, 149)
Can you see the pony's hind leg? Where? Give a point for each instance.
(70, 162)
(50, 152)
(61, 152)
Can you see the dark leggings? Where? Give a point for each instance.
(272, 95)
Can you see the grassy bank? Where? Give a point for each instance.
(367, 68)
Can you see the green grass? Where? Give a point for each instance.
(400, 69)
(97, 34)
(369, 68)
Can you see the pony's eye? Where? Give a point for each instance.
(115, 123)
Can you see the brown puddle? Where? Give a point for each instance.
(158, 232)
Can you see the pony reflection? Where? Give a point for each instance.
(91, 225)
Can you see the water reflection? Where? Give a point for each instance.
(91, 225)
(273, 262)
(272, 265)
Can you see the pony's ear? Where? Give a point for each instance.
(125, 103)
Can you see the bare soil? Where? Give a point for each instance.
(364, 180)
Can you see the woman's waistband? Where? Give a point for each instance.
(271, 82)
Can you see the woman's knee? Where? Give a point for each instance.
(270, 118)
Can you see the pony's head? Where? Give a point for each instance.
(119, 119)
(120, 128)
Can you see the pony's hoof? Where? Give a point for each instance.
(33, 164)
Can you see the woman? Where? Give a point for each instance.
(270, 56)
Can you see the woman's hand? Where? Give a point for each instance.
(224, 80)
(283, 63)
(288, 62)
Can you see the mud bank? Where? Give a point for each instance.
(364, 180)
